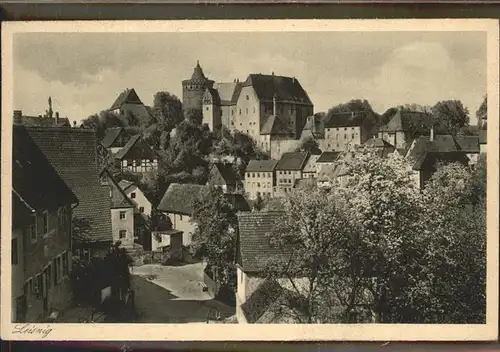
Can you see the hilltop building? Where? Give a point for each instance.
(347, 131)
(129, 107)
(194, 88)
(398, 131)
(260, 178)
(271, 109)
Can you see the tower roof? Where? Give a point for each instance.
(198, 73)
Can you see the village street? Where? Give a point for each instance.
(173, 294)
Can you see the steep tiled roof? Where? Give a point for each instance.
(292, 161)
(111, 135)
(383, 148)
(227, 172)
(228, 92)
(237, 201)
(215, 96)
(345, 119)
(402, 120)
(254, 246)
(124, 184)
(144, 152)
(34, 179)
(73, 154)
(468, 144)
(180, 198)
(198, 73)
(274, 126)
(441, 143)
(431, 159)
(128, 96)
(328, 157)
(311, 164)
(45, 121)
(378, 143)
(118, 197)
(261, 165)
(285, 88)
(138, 111)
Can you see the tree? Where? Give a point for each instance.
(450, 115)
(259, 203)
(455, 279)
(310, 238)
(309, 145)
(482, 113)
(101, 122)
(215, 235)
(195, 116)
(384, 204)
(167, 110)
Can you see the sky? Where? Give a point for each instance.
(85, 72)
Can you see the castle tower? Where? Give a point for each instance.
(193, 89)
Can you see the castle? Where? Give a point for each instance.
(271, 109)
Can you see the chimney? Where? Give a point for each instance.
(18, 117)
(275, 108)
(352, 114)
(432, 134)
(293, 80)
(74, 124)
(57, 117)
(273, 73)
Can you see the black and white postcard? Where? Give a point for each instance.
(271, 180)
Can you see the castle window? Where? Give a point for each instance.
(246, 111)
(345, 136)
(248, 97)
(352, 136)
(254, 109)
(207, 108)
(240, 114)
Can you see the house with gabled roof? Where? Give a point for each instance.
(115, 139)
(271, 109)
(122, 212)
(42, 207)
(311, 167)
(178, 204)
(398, 131)
(137, 156)
(259, 299)
(347, 130)
(40, 120)
(426, 153)
(381, 147)
(290, 169)
(225, 176)
(470, 145)
(326, 158)
(128, 106)
(73, 154)
(260, 178)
